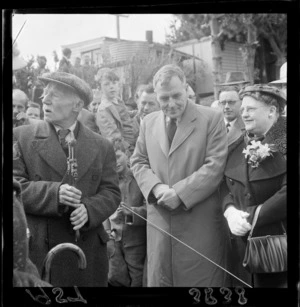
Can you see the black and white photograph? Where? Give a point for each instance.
(149, 151)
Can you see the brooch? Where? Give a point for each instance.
(257, 152)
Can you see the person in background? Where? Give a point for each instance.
(191, 94)
(38, 86)
(249, 183)
(93, 106)
(127, 247)
(147, 103)
(178, 163)
(88, 72)
(230, 104)
(77, 68)
(65, 63)
(33, 110)
(20, 100)
(67, 204)
(25, 273)
(281, 83)
(112, 117)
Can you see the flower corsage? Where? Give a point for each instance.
(257, 152)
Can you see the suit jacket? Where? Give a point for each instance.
(194, 168)
(236, 130)
(41, 169)
(88, 119)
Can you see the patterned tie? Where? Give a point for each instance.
(171, 129)
(62, 139)
(227, 127)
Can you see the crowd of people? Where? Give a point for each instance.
(140, 191)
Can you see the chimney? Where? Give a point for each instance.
(149, 37)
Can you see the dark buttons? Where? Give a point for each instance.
(83, 237)
(47, 241)
(248, 195)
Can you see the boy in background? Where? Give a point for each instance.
(127, 245)
(112, 117)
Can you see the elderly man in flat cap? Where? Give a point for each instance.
(59, 203)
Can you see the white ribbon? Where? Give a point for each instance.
(122, 204)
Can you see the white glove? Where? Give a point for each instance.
(159, 190)
(237, 221)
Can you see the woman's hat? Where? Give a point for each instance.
(282, 75)
(235, 77)
(265, 89)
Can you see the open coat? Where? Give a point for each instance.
(41, 169)
(194, 167)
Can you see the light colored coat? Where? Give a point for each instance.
(194, 167)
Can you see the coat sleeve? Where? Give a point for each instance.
(39, 197)
(105, 202)
(273, 209)
(204, 181)
(141, 169)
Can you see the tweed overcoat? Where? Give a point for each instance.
(41, 169)
(194, 167)
(245, 188)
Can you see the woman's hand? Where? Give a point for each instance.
(237, 221)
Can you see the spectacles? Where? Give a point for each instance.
(249, 110)
(230, 102)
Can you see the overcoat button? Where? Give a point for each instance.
(248, 195)
(46, 240)
(83, 237)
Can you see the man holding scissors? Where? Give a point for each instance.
(61, 200)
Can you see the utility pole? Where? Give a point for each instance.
(118, 23)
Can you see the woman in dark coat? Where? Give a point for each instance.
(249, 183)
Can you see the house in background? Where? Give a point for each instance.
(231, 61)
(133, 61)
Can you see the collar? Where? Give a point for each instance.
(114, 101)
(69, 136)
(231, 123)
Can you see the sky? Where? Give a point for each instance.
(44, 33)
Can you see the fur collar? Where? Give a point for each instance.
(276, 135)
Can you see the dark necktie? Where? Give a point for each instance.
(62, 139)
(171, 129)
(227, 127)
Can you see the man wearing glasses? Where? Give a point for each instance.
(230, 103)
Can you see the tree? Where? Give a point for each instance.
(248, 29)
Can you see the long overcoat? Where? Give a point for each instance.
(41, 169)
(246, 187)
(194, 167)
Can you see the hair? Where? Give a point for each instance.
(32, 104)
(229, 88)
(266, 98)
(149, 89)
(108, 75)
(166, 73)
(20, 95)
(42, 57)
(66, 51)
(118, 145)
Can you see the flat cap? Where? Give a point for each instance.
(265, 89)
(71, 81)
